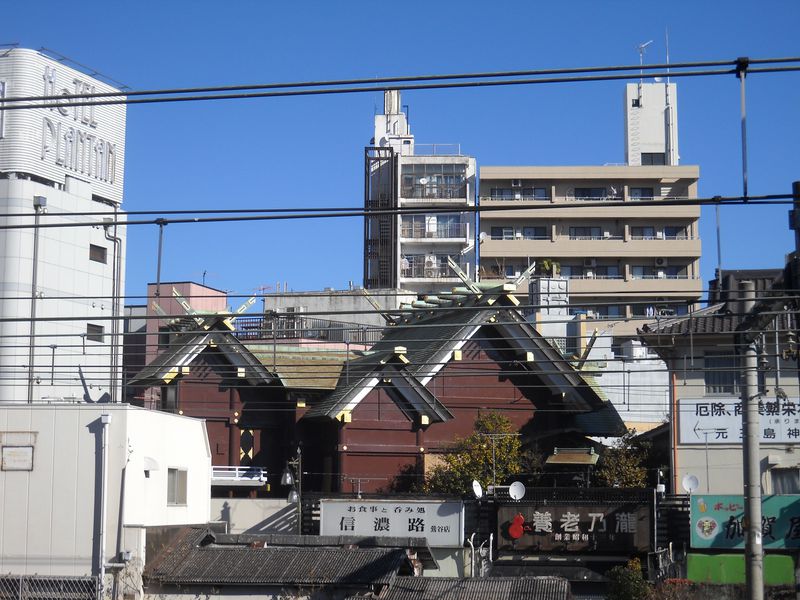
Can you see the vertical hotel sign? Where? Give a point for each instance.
(53, 140)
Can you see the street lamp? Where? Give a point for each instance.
(288, 478)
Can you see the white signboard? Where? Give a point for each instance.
(719, 420)
(17, 458)
(442, 523)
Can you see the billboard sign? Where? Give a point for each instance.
(719, 420)
(442, 523)
(718, 521)
(575, 527)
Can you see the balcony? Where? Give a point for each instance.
(673, 286)
(448, 232)
(238, 476)
(437, 193)
(425, 270)
(591, 208)
(597, 247)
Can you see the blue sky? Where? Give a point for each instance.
(270, 153)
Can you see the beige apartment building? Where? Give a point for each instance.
(633, 257)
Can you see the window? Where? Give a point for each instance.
(169, 398)
(643, 233)
(511, 271)
(176, 487)
(721, 374)
(590, 193)
(585, 233)
(94, 333)
(653, 158)
(640, 193)
(98, 253)
(2, 112)
(643, 272)
(535, 233)
(785, 481)
(606, 272)
(674, 232)
(502, 233)
(571, 271)
(434, 181)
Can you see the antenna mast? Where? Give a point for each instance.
(641, 48)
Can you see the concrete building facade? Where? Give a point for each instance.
(410, 251)
(80, 485)
(60, 284)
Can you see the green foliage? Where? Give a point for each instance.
(628, 583)
(622, 465)
(471, 457)
(548, 267)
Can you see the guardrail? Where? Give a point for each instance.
(239, 474)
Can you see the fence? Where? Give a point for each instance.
(30, 587)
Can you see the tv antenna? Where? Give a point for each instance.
(641, 48)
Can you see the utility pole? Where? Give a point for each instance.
(751, 429)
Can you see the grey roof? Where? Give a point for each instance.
(194, 557)
(488, 588)
(186, 346)
(428, 339)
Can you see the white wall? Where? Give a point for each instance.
(50, 515)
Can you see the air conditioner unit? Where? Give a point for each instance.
(430, 261)
(516, 183)
(589, 262)
(518, 235)
(430, 272)
(661, 261)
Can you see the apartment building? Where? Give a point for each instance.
(60, 284)
(432, 182)
(615, 231)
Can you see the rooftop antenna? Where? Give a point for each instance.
(641, 48)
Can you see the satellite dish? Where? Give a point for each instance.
(690, 483)
(482, 236)
(477, 489)
(423, 181)
(516, 490)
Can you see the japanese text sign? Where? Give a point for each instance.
(575, 528)
(719, 421)
(442, 523)
(718, 521)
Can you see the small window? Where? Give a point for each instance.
(721, 374)
(98, 253)
(653, 158)
(785, 481)
(94, 333)
(169, 398)
(176, 487)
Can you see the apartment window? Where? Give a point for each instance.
(643, 272)
(585, 233)
(640, 193)
(502, 233)
(94, 333)
(535, 233)
(176, 487)
(448, 226)
(434, 181)
(607, 272)
(590, 193)
(643, 233)
(571, 271)
(785, 481)
(98, 253)
(675, 232)
(511, 271)
(721, 374)
(653, 158)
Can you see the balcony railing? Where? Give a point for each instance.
(297, 326)
(248, 476)
(441, 191)
(449, 230)
(423, 270)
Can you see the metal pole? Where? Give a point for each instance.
(754, 550)
(741, 72)
(299, 490)
(161, 224)
(39, 203)
(708, 477)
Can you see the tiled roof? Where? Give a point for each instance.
(428, 338)
(302, 368)
(194, 557)
(186, 346)
(487, 588)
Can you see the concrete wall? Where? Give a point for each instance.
(50, 515)
(255, 515)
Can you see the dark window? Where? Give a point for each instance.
(785, 481)
(643, 233)
(94, 333)
(640, 193)
(585, 233)
(674, 233)
(721, 374)
(535, 233)
(653, 158)
(606, 272)
(591, 192)
(98, 253)
(502, 233)
(169, 397)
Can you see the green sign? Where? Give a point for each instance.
(717, 521)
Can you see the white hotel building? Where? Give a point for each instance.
(60, 287)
